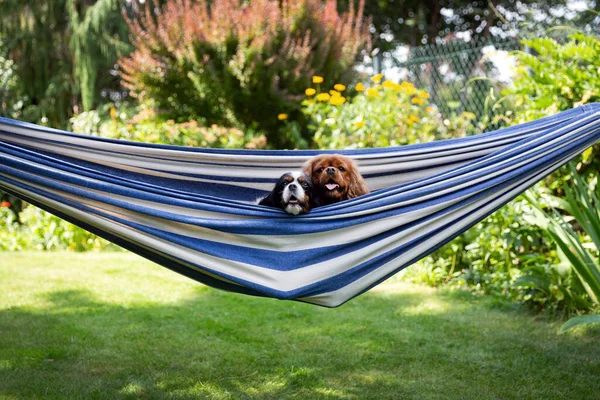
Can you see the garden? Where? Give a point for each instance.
(507, 309)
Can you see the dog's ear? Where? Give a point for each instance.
(307, 168)
(357, 186)
(268, 200)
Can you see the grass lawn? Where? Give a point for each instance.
(112, 325)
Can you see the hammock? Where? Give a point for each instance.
(193, 210)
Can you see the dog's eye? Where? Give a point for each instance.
(320, 170)
(305, 184)
(342, 169)
(285, 183)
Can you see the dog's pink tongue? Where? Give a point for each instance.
(331, 186)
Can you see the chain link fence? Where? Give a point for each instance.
(461, 76)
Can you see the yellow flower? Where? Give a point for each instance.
(412, 119)
(417, 100)
(310, 92)
(408, 87)
(377, 78)
(317, 79)
(359, 124)
(429, 109)
(281, 117)
(359, 87)
(337, 100)
(323, 97)
(113, 113)
(334, 93)
(372, 92)
(339, 87)
(390, 85)
(423, 94)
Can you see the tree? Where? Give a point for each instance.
(416, 22)
(63, 51)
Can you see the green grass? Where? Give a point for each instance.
(111, 325)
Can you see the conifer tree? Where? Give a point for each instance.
(63, 51)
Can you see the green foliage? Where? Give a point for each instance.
(8, 85)
(387, 114)
(234, 63)
(92, 43)
(63, 52)
(413, 22)
(579, 242)
(40, 230)
(578, 321)
(553, 77)
(13, 236)
(143, 125)
(49, 232)
(507, 254)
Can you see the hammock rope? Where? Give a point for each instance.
(194, 210)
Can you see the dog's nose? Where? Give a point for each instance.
(292, 186)
(330, 170)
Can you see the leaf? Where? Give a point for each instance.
(580, 320)
(534, 282)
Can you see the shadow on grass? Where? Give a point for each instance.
(222, 345)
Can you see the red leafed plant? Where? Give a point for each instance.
(236, 62)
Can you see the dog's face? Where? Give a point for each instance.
(335, 178)
(293, 193)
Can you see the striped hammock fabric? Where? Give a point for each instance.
(194, 210)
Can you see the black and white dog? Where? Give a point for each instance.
(293, 193)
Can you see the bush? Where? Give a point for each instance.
(577, 237)
(386, 114)
(234, 63)
(143, 125)
(507, 254)
(494, 254)
(8, 87)
(41, 230)
(555, 77)
(13, 236)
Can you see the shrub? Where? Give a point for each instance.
(13, 236)
(578, 242)
(41, 230)
(553, 77)
(494, 254)
(556, 76)
(507, 254)
(234, 63)
(143, 125)
(8, 86)
(381, 115)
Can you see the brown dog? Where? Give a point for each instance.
(335, 178)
